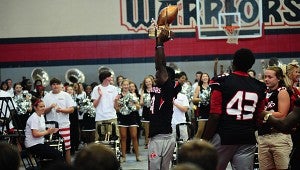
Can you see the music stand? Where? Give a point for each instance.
(7, 110)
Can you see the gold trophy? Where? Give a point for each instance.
(165, 18)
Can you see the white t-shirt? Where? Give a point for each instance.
(11, 92)
(34, 122)
(105, 109)
(178, 115)
(5, 109)
(194, 86)
(63, 100)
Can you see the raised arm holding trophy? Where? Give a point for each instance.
(162, 143)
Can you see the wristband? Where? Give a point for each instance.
(266, 117)
(159, 46)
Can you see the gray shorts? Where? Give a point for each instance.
(241, 156)
(183, 131)
(160, 151)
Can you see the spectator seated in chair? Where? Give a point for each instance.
(35, 132)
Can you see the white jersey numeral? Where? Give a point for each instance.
(152, 105)
(237, 107)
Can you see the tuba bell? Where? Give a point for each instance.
(174, 67)
(103, 68)
(40, 74)
(74, 75)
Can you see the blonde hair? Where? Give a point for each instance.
(125, 80)
(287, 72)
(144, 87)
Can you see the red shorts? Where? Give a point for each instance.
(65, 133)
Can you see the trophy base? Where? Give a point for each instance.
(154, 32)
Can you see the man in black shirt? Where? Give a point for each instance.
(236, 99)
(162, 143)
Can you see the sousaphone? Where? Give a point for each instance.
(74, 75)
(104, 68)
(40, 74)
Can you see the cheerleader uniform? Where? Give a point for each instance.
(146, 107)
(127, 118)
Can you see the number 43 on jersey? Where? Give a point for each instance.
(242, 105)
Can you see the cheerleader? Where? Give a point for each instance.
(127, 105)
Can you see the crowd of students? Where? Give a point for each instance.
(234, 111)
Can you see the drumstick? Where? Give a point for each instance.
(105, 137)
(108, 136)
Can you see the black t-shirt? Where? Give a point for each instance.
(241, 95)
(161, 109)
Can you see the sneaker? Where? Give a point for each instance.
(138, 159)
(122, 160)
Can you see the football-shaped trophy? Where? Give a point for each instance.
(166, 16)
